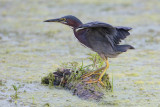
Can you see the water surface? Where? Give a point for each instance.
(30, 49)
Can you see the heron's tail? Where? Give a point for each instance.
(124, 48)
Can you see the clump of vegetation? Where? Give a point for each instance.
(76, 69)
(70, 76)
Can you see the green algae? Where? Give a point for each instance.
(29, 51)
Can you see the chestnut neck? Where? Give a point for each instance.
(75, 23)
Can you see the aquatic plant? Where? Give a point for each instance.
(33, 99)
(15, 96)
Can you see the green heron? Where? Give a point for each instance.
(100, 37)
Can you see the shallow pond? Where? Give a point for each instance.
(30, 49)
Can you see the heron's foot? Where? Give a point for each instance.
(95, 81)
(90, 74)
(93, 73)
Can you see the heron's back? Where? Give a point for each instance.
(104, 38)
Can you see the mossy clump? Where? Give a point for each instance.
(49, 79)
(70, 77)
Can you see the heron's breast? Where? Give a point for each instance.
(81, 36)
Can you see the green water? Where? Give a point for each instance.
(30, 49)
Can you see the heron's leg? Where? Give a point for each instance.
(92, 73)
(100, 77)
(107, 66)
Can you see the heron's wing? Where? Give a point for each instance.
(122, 33)
(113, 34)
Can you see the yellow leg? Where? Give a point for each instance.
(92, 73)
(107, 66)
(100, 77)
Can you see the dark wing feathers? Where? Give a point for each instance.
(113, 34)
(122, 33)
(124, 28)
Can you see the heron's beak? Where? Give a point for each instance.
(53, 20)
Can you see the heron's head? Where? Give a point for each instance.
(67, 20)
